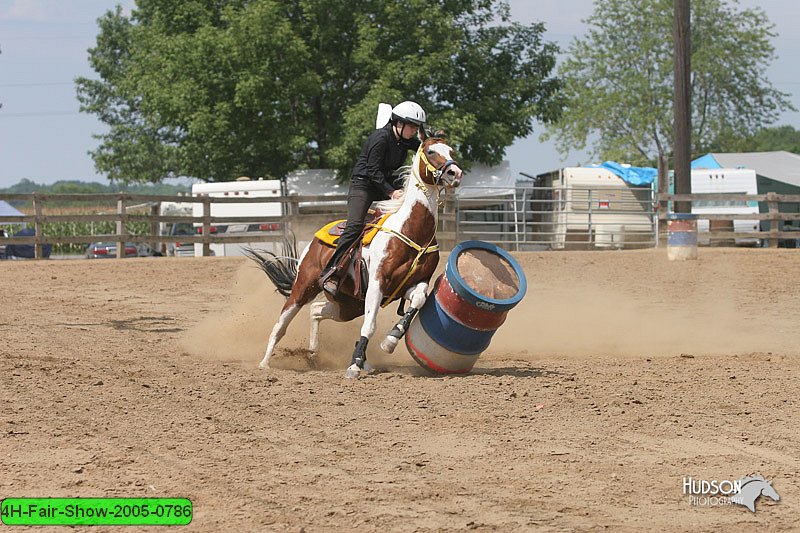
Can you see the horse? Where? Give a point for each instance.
(752, 488)
(399, 261)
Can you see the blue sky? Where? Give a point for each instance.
(44, 46)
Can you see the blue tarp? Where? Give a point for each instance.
(632, 175)
(706, 161)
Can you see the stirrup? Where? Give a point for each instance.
(329, 281)
(331, 286)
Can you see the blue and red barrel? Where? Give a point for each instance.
(681, 236)
(467, 305)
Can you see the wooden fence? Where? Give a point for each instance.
(774, 216)
(129, 208)
(301, 210)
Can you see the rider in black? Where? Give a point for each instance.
(384, 152)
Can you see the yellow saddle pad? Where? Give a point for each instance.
(330, 233)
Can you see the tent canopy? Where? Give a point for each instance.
(7, 210)
(482, 181)
(479, 182)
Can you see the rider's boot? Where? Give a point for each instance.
(329, 279)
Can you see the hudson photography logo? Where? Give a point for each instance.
(713, 492)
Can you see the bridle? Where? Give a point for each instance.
(437, 172)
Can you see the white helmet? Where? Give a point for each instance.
(410, 112)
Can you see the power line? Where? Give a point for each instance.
(39, 84)
(38, 114)
(49, 37)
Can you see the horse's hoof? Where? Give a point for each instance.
(352, 372)
(389, 344)
(263, 364)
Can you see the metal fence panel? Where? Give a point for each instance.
(529, 218)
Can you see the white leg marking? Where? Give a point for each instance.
(352, 372)
(319, 311)
(416, 295)
(372, 304)
(278, 332)
(389, 343)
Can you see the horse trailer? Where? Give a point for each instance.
(725, 180)
(241, 188)
(591, 207)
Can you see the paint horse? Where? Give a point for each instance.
(399, 260)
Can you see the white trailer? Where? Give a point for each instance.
(593, 207)
(725, 180)
(241, 188)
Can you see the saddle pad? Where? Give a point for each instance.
(330, 233)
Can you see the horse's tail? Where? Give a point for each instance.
(281, 269)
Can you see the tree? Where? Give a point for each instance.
(618, 79)
(778, 138)
(216, 89)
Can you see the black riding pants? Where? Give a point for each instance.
(361, 195)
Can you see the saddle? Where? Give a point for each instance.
(329, 233)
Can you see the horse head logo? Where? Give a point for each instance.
(752, 488)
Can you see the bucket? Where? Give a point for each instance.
(681, 236)
(467, 305)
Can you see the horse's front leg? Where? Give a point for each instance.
(417, 296)
(372, 304)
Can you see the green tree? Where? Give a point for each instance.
(619, 85)
(774, 139)
(216, 89)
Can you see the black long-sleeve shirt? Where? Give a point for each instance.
(381, 155)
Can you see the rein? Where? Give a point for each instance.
(420, 252)
(437, 174)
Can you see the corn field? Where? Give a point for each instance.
(71, 229)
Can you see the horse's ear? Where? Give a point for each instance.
(440, 134)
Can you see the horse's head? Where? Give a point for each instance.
(436, 165)
(769, 491)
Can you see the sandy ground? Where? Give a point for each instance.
(617, 376)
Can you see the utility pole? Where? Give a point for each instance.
(682, 128)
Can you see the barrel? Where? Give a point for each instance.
(467, 304)
(681, 236)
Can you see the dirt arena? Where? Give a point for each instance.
(617, 376)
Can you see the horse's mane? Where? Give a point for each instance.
(392, 206)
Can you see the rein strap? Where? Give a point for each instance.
(420, 252)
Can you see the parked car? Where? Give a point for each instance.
(25, 251)
(3, 235)
(177, 248)
(101, 250)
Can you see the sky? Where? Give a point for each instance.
(44, 43)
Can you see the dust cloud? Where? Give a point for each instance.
(636, 305)
(238, 332)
